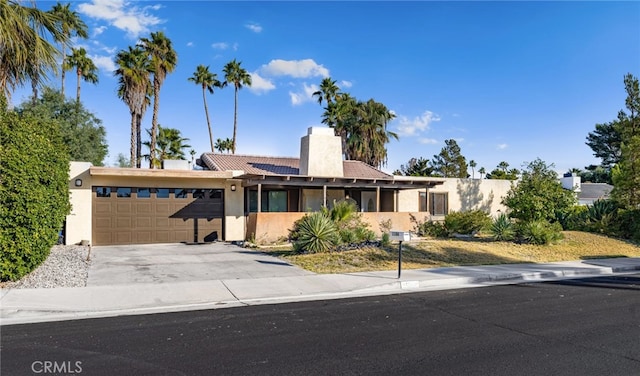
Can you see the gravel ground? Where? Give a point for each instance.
(66, 266)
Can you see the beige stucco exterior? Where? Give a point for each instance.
(78, 222)
(321, 153)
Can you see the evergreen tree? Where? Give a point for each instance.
(450, 163)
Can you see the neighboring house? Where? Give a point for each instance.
(587, 193)
(236, 197)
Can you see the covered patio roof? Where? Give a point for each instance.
(391, 182)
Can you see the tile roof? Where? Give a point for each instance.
(259, 165)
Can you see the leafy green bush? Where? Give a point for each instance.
(385, 241)
(627, 224)
(315, 233)
(468, 222)
(502, 228)
(34, 192)
(539, 232)
(434, 229)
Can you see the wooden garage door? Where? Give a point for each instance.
(138, 215)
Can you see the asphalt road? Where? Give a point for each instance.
(579, 327)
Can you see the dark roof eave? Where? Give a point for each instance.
(349, 182)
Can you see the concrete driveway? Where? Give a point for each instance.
(166, 263)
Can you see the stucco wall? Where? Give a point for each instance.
(270, 227)
(234, 226)
(321, 153)
(464, 195)
(78, 222)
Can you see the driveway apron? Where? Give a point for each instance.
(166, 263)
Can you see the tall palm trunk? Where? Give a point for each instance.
(79, 71)
(63, 70)
(132, 157)
(138, 140)
(235, 122)
(154, 122)
(206, 112)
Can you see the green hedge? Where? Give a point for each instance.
(34, 192)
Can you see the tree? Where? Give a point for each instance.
(80, 130)
(34, 193)
(135, 90)
(85, 68)
(224, 145)
(605, 142)
(25, 51)
(415, 167)
(170, 145)
(539, 195)
(122, 161)
(482, 171)
(163, 60)
(362, 127)
(596, 174)
(207, 81)
(473, 165)
(626, 175)
(328, 92)
(238, 76)
(502, 172)
(70, 25)
(450, 163)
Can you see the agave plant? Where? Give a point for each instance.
(316, 233)
(502, 228)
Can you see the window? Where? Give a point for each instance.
(181, 193)
(422, 202)
(123, 192)
(198, 193)
(144, 192)
(215, 193)
(438, 203)
(103, 191)
(272, 201)
(162, 192)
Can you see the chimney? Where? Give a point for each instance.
(321, 153)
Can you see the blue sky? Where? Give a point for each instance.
(510, 81)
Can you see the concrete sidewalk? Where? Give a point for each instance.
(41, 305)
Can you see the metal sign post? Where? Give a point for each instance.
(400, 236)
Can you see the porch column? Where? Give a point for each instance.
(395, 201)
(377, 198)
(259, 197)
(324, 195)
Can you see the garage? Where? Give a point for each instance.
(144, 215)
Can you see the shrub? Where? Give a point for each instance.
(539, 232)
(469, 222)
(34, 192)
(315, 233)
(385, 241)
(434, 229)
(627, 224)
(502, 228)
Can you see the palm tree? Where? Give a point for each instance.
(473, 165)
(224, 145)
(482, 171)
(70, 25)
(134, 88)
(163, 60)
(238, 76)
(85, 68)
(328, 92)
(208, 81)
(169, 145)
(25, 51)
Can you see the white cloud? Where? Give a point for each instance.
(502, 146)
(104, 63)
(254, 27)
(260, 85)
(235, 47)
(220, 46)
(294, 68)
(189, 44)
(304, 95)
(345, 84)
(98, 30)
(410, 127)
(427, 141)
(132, 19)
